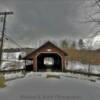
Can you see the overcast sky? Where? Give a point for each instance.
(35, 20)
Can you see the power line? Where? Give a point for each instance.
(3, 31)
(14, 42)
(7, 37)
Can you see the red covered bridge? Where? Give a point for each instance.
(48, 56)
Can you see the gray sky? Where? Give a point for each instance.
(35, 20)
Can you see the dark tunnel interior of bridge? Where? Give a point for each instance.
(50, 61)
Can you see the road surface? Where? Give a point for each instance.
(39, 88)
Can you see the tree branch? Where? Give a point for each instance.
(97, 3)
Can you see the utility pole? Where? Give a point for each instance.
(3, 32)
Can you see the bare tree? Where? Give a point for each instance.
(91, 17)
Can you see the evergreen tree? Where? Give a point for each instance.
(81, 44)
(64, 44)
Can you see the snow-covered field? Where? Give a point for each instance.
(35, 86)
(76, 65)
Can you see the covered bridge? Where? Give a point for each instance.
(47, 56)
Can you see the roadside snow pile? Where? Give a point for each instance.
(12, 76)
(29, 74)
(79, 76)
(60, 74)
(42, 74)
(36, 74)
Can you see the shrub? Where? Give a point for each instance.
(2, 81)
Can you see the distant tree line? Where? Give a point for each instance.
(66, 44)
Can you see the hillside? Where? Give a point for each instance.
(85, 56)
(13, 50)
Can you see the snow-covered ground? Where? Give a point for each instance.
(35, 86)
(12, 76)
(18, 75)
(76, 65)
(11, 61)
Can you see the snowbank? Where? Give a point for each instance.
(13, 76)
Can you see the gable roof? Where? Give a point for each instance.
(47, 43)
